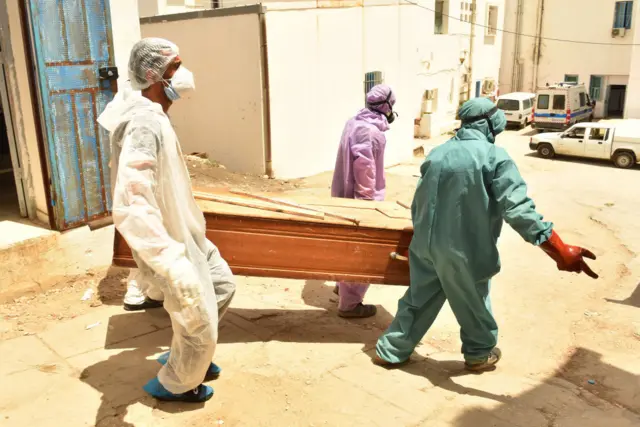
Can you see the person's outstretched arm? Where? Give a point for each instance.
(519, 211)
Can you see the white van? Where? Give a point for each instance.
(560, 106)
(617, 141)
(517, 107)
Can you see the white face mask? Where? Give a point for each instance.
(182, 82)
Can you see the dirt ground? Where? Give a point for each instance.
(571, 345)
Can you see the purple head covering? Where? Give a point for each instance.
(378, 95)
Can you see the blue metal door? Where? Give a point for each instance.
(478, 85)
(72, 42)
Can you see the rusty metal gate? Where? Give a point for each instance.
(73, 49)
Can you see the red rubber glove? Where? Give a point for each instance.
(568, 258)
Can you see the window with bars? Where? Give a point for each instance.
(595, 88)
(372, 79)
(571, 78)
(492, 21)
(623, 14)
(441, 17)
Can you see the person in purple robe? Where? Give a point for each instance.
(359, 174)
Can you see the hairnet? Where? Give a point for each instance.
(149, 60)
(477, 107)
(379, 94)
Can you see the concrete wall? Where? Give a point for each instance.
(632, 106)
(593, 23)
(224, 116)
(317, 63)
(433, 61)
(487, 53)
(125, 27)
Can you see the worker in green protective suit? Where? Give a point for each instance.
(468, 186)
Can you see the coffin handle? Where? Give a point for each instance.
(398, 257)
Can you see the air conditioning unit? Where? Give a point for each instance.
(488, 86)
(618, 32)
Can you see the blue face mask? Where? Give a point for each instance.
(171, 93)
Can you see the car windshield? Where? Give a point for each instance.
(508, 104)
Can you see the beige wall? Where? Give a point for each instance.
(632, 106)
(224, 116)
(593, 23)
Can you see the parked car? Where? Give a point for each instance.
(517, 107)
(618, 142)
(560, 106)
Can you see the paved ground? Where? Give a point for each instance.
(571, 345)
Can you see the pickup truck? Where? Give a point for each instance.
(617, 141)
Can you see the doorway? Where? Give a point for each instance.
(9, 203)
(615, 105)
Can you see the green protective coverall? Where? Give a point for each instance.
(467, 187)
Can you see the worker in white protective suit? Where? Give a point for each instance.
(154, 210)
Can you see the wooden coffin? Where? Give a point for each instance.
(264, 243)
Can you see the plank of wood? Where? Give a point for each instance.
(404, 204)
(295, 205)
(395, 213)
(256, 205)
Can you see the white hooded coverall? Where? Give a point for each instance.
(154, 210)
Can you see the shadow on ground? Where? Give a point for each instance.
(120, 377)
(584, 392)
(633, 301)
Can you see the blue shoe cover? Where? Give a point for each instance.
(212, 373)
(202, 393)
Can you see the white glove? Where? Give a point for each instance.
(185, 283)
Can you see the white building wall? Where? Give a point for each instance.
(319, 52)
(632, 107)
(611, 59)
(318, 59)
(487, 53)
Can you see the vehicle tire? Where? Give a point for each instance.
(624, 160)
(546, 151)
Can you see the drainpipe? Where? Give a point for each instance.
(266, 100)
(537, 50)
(472, 37)
(516, 74)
